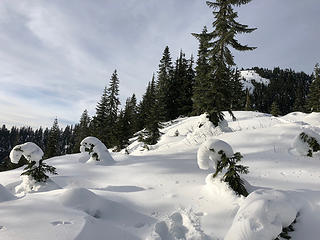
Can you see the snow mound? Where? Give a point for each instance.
(220, 189)
(29, 185)
(250, 76)
(84, 200)
(208, 153)
(97, 151)
(5, 195)
(313, 119)
(263, 215)
(182, 225)
(30, 150)
(303, 147)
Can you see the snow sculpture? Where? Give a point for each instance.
(36, 169)
(220, 156)
(263, 215)
(97, 151)
(307, 143)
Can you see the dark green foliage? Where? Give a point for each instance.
(287, 87)
(38, 173)
(275, 111)
(221, 84)
(314, 146)
(104, 123)
(313, 102)
(164, 86)
(151, 134)
(53, 146)
(233, 169)
(81, 130)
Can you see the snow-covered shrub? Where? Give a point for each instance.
(263, 215)
(307, 143)
(97, 151)
(36, 168)
(220, 156)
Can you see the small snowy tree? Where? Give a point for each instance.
(97, 151)
(36, 168)
(220, 154)
(312, 142)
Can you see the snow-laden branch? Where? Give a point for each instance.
(31, 151)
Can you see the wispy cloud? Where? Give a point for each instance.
(57, 56)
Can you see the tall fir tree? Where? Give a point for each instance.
(313, 102)
(164, 83)
(248, 106)
(275, 111)
(202, 71)
(151, 133)
(218, 96)
(53, 146)
(104, 122)
(82, 130)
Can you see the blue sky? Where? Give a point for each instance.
(56, 56)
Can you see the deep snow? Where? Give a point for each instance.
(162, 192)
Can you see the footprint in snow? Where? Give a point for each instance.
(57, 223)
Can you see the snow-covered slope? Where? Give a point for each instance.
(162, 193)
(249, 76)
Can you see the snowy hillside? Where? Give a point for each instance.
(250, 76)
(162, 194)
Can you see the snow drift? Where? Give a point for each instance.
(263, 215)
(5, 195)
(96, 151)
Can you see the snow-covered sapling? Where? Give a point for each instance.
(224, 159)
(97, 151)
(314, 146)
(36, 168)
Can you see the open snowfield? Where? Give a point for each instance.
(162, 194)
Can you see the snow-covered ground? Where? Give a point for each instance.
(250, 76)
(162, 193)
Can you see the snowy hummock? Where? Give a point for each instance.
(29, 185)
(208, 153)
(250, 76)
(30, 150)
(263, 215)
(96, 150)
(303, 147)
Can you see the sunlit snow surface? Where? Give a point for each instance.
(162, 192)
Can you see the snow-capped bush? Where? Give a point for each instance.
(31, 151)
(263, 215)
(36, 168)
(97, 151)
(220, 156)
(307, 143)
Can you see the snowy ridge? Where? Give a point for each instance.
(162, 194)
(249, 76)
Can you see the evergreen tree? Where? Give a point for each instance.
(53, 148)
(275, 111)
(248, 101)
(164, 83)
(123, 130)
(313, 102)
(151, 133)
(181, 88)
(218, 96)
(82, 130)
(106, 113)
(202, 71)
